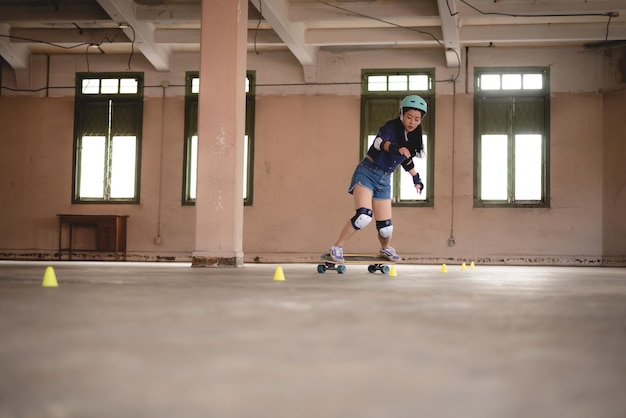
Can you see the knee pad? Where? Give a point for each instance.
(385, 228)
(362, 218)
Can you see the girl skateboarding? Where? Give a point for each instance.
(397, 142)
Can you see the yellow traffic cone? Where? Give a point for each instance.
(279, 276)
(49, 278)
(444, 268)
(393, 272)
(463, 266)
(472, 265)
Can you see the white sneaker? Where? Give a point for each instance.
(336, 254)
(390, 254)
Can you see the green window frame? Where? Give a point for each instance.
(382, 92)
(192, 88)
(511, 138)
(108, 114)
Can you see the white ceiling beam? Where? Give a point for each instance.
(450, 30)
(504, 20)
(292, 34)
(374, 37)
(14, 54)
(263, 37)
(537, 34)
(122, 12)
(317, 37)
(522, 33)
(334, 11)
(522, 7)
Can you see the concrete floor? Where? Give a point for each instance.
(163, 340)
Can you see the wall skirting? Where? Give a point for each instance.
(273, 258)
(515, 260)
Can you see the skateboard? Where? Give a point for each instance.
(375, 263)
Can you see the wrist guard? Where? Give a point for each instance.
(418, 181)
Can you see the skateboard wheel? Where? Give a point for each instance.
(341, 269)
(385, 269)
(371, 268)
(321, 268)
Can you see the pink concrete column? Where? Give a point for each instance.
(221, 130)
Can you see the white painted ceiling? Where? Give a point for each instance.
(304, 27)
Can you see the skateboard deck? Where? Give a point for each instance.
(375, 263)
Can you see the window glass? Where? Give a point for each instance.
(511, 81)
(407, 188)
(193, 167)
(128, 86)
(377, 83)
(528, 160)
(92, 166)
(123, 166)
(490, 82)
(533, 81)
(195, 85)
(398, 83)
(91, 86)
(246, 142)
(418, 82)
(494, 167)
(109, 86)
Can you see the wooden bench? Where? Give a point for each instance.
(110, 233)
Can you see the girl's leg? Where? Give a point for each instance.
(382, 212)
(362, 199)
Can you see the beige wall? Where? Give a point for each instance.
(307, 143)
(614, 175)
(300, 182)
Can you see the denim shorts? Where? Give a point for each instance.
(369, 175)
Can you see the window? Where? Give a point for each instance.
(191, 139)
(380, 101)
(511, 138)
(108, 117)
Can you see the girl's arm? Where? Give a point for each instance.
(394, 149)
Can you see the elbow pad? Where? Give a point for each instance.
(408, 164)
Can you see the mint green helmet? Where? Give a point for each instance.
(414, 102)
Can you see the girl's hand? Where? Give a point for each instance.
(417, 181)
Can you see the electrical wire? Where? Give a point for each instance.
(450, 9)
(87, 58)
(87, 45)
(610, 15)
(423, 32)
(606, 36)
(258, 25)
(352, 12)
(132, 47)
(517, 15)
(20, 38)
(159, 86)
